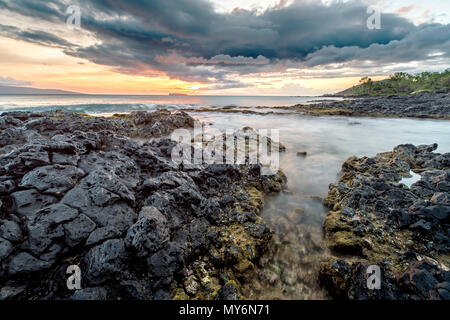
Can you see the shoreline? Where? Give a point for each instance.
(376, 220)
(420, 106)
(79, 190)
(423, 106)
(208, 283)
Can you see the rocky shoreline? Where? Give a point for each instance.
(103, 194)
(81, 190)
(375, 219)
(421, 105)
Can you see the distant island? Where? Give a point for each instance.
(401, 83)
(28, 90)
(178, 94)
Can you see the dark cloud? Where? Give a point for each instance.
(35, 36)
(416, 46)
(188, 40)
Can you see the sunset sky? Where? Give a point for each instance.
(229, 47)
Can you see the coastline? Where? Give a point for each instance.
(200, 278)
(425, 106)
(77, 189)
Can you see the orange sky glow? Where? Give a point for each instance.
(50, 68)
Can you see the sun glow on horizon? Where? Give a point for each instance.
(48, 54)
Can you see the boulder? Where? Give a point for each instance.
(78, 230)
(149, 233)
(105, 261)
(26, 263)
(10, 230)
(96, 293)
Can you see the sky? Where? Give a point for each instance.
(229, 47)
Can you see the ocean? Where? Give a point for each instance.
(126, 103)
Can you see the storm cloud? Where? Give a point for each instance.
(189, 40)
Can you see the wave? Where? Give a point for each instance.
(95, 108)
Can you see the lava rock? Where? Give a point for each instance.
(101, 234)
(52, 179)
(47, 226)
(229, 292)
(5, 249)
(26, 263)
(10, 230)
(71, 186)
(166, 262)
(29, 202)
(96, 293)
(7, 187)
(105, 261)
(388, 217)
(78, 230)
(149, 233)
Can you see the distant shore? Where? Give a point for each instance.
(422, 105)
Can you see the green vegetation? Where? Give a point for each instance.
(402, 83)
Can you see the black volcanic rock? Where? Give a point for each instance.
(419, 105)
(403, 230)
(80, 190)
(422, 105)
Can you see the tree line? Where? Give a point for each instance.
(404, 83)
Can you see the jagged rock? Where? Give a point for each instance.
(390, 225)
(6, 187)
(198, 233)
(96, 293)
(191, 286)
(26, 263)
(78, 230)
(8, 293)
(111, 182)
(47, 226)
(104, 261)
(29, 202)
(229, 292)
(52, 253)
(101, 234)
(149, 233)
(422, 279)
(6, 248)
(257, 230)
(423, 105)
(119, 216)
(52, 179)
(70, 191)
(441, 198)
(136, 290)
(166, 262)
(10, 230)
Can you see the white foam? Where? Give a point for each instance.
(409, 181)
